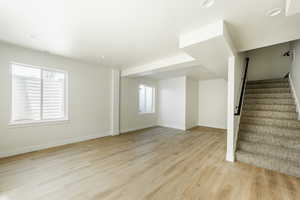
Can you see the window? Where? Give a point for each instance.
(146, 99)
(38, 94)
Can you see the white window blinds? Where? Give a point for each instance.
(37, 94)
(53, 106)
(146, 99)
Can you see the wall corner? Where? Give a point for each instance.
(115, 106)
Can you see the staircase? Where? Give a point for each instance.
(269, 134)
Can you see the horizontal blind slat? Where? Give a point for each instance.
(53, 95)
(26, 93)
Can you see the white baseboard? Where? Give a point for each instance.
(295, 96)
(115, 133)
(194, 126)
(210, 126)
(174, 127)
(136, 129)
(170, 125)
(53, 144)
(230, 157)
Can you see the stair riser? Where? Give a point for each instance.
(271, 122)
(272, 81)
(270, 114)
(274, 95)
(282, 153)
(269, 134)
(270, 164)
(280, 108)
(267, 91)
(271, 140)
(270, 130)
(268, 85)
(269, 101)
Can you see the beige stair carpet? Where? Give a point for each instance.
(269, 134)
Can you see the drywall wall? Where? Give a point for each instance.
(237, 69)
(213, 103)
(89, 103)
(130, 118)
(230, 108)
(192, 103)
(171, 102)
(269, 62)
(295, 73)
(115, 108)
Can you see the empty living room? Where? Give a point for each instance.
(150, 100)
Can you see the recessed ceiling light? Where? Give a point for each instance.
(274, 12)
(207, 3)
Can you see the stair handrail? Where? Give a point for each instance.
(239, 107)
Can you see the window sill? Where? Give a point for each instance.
(38, 123)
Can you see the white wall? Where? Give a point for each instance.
(172, 103)
(130, 118)
(236, 69)
(213, 103)
(295, 73)
(239, 69)
(230, 150)
(115, 108)
(269, 62)
(192, 103)
(89, 103)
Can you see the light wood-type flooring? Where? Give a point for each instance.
(157, 163)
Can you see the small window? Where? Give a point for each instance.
(38, 94)
(146, 99)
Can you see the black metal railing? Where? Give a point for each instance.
(239, 107)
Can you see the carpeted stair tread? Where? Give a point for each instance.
(268, 81)
(268, 85)
(270, 114)
(270, 107)
(271, 95)
(272, 101)
(267, 90)
(270, 150)
(271, 163)
(270, 130)
(284, 123)
(282, 141)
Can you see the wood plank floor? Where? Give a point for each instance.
(157, 163)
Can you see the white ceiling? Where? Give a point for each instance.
(205, 56)
(133, 32)
(195, 72)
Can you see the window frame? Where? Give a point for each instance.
(38, 122)
(153, 99)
